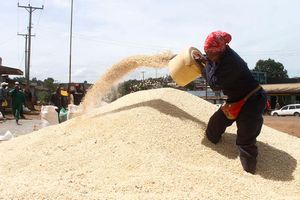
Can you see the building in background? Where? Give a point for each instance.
(5, 71)
(283, 94)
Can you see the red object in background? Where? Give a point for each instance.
(268, 105)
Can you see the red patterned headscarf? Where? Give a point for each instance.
(216, 42)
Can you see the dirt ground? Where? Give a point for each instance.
(288, 124)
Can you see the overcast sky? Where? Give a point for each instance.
(106, 31)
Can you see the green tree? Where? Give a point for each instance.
(34, 80)
(274, 70)
(43, 97)
(21, 80)
(50, 85)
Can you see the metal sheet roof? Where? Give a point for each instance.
(10, 71)
(286, 88)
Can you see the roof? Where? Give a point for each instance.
(286, 88)
(10, 71)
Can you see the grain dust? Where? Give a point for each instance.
(94, 96)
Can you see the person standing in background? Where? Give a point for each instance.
(59, 99)
(18, 99)
(28, 98)
(56, 99)
(3, 98)
(78, 94)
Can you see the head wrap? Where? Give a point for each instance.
(216, 42)
(4, 83)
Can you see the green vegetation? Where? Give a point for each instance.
(275, 70)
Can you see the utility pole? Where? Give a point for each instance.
(30, 10)
(143, 75)
(70, 55)
(26, 53)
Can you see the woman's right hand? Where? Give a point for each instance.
(199, 58)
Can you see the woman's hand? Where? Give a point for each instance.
(199, 58)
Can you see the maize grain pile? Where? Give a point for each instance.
(146, 145)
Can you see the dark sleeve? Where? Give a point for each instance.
(64, 102)
(12, 92)
(52, 99)
(230, 73)
(5, 93)
(23, 98)
(208, 72)
(2, 94)
(233, 72)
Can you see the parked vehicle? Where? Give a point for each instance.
(291, 109)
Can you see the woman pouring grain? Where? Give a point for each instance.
(225, 70)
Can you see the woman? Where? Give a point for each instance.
(225, 70)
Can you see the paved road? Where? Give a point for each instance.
(27, 126)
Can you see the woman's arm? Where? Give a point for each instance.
(208, 73)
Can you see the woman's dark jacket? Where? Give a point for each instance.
(231, 75)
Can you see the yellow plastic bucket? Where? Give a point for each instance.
(183, 67)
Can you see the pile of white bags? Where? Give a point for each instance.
(73, 111)
(49, 116)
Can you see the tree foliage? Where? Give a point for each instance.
(274, 70)
(50, 85)
(20, 79)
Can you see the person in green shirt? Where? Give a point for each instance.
(17, 99)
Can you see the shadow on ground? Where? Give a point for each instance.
(163, 107)
(272, 163)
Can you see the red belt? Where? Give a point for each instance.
(232, 110)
